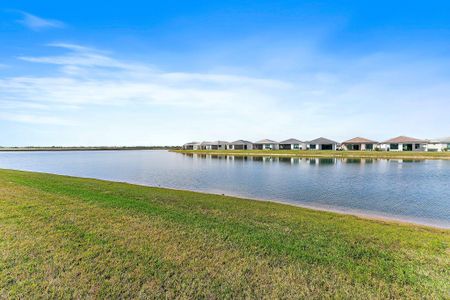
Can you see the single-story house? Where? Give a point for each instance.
(404, 143)
(438, 145)
(240, 145)
(359, 144)
(217, 145)
(192, 146)
(266, 145)
(322, 144)
(292, 144)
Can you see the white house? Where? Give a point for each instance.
(266, 145)
(216, 145)
(359, 144)
(438, 145)
(192, 146)
(292, 144)
(322, 144)
(404, 143)
(240, 145)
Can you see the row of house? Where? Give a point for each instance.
(400, 143)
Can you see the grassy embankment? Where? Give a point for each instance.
(65, 237)
(325, 153)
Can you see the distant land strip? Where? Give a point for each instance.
(90, 148)
(324, 153)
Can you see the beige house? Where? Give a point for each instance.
(404, 143)
(359, 144)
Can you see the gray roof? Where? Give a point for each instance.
(322, 141)
(240, 142)
(443, 140)
(291, 141)
(213, 143)
(266, 141)
(192, 143)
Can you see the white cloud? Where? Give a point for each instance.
(89, 78)
(37, 23)
(111, 101)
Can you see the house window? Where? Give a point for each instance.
(296, 146)
(417, 146)
(369, 146)
(393, 146)
(312, 146)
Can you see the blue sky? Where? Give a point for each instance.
(167, 72)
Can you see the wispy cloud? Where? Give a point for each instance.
(88, 77)
(375, 96)
(37, 23)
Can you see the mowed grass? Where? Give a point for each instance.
(65, 237)
(325, 153)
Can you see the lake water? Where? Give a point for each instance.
(417, 191)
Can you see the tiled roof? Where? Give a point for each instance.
(359, 140)
(266, 141)
(291, 141)
(240, 142)
(322, 140)
(403, 139)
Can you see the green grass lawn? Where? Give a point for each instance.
(65, 237)
(326, 153)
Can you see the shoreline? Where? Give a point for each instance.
(319, 208)
(99, 148)
(323, 154)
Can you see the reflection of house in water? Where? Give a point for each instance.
(268, 159)
(284, 160)
(322, 161)
(352, 160)
(361, 161)
(289, 160)
(220, 157)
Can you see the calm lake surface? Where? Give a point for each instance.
(410, 190)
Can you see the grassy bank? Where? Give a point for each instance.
(325, 153)
(65, 237)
